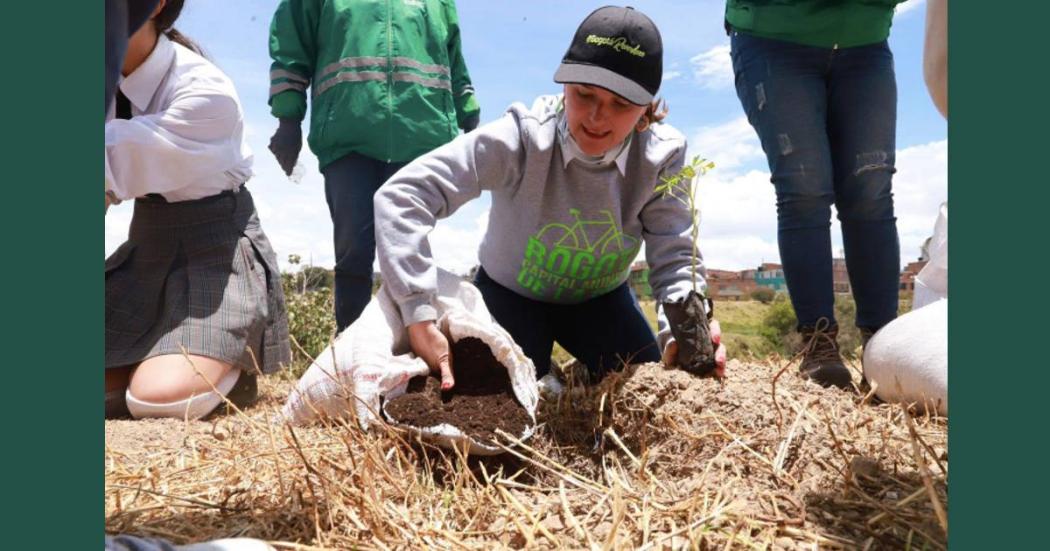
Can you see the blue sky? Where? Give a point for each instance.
(512, 50)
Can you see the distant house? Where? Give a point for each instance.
(907, 279)
(727, 285)
(772, 276)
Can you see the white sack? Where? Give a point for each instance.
(907, 360)
(371, 359)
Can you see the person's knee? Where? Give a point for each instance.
(173, 378)
(869, 198)
(803, 210)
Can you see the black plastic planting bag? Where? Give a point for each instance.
(689, 326)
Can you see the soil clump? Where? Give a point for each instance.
(481, 402)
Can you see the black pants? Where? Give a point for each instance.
(349, 184)
(604, 332)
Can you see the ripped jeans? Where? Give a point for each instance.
(827, 121)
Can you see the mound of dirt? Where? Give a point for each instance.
(481, 402)
(647, 458)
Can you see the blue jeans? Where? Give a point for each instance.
(827, 121)
(603, 332)
(349, 184)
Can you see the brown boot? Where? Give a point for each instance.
(821, 361)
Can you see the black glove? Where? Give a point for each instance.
(471, 123)
(286, 143)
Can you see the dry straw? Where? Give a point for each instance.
(648, 459)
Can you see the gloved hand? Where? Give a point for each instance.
(670, 355)
(286, 144)
(471, 123)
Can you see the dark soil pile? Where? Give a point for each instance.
(481, 402)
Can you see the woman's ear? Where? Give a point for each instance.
(157, 10)
(643, 123)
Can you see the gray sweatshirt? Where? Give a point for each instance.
(563, 228)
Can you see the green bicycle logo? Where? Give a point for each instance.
(583, 259)
(593, 236)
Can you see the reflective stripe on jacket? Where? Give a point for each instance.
(386, 78)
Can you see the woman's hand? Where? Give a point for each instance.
(671, 352)
(429, 343)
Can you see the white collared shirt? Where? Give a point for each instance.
(185, 139)
(570, 150)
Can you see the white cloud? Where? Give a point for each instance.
(738, 252)
(919, 188)
(908, 6)
(731, 145)
(671, 75)
(738, 219)
(713, 69)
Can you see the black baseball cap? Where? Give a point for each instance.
(618, 49)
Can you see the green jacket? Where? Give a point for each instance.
(387, 77)
(821, 23)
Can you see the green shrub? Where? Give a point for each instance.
(846, 316)
(311, 322)
(765, 295)
(780, 319)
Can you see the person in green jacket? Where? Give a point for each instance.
(816, 80)
(388, 84)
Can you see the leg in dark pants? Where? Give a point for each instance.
(525, 319)
(862, 124)
(606, 332)
(783, 88)
(350, 183)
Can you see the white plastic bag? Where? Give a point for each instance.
(907, 360)
(371, 359)
(931, 283)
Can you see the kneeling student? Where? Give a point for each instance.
(193, 298)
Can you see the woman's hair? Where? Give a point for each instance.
(654, 112)
(165, 21)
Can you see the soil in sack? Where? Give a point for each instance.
(689, 325)
(481, 401)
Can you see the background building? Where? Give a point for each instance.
(772, 276)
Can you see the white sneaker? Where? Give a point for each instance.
(550, 387)
(229, 544)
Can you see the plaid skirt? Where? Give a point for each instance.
(198, 276)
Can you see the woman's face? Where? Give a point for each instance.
(598, 119)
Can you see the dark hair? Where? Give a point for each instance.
(165, 21)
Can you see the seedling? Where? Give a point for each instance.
(687, 316)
